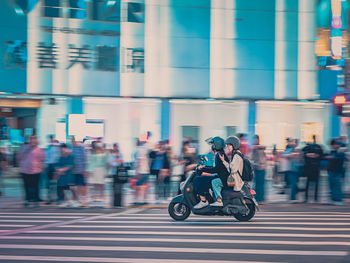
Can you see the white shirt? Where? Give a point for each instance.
(235, 166)
(142, 161)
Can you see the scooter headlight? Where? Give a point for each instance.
(182, 186)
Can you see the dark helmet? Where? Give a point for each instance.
(234, 141)
(217, 142)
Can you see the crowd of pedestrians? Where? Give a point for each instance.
(296, 164)
(72, 175)
(75, 174)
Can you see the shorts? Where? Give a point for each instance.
(79, 180)
(142, 179)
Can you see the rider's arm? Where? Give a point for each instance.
(227, 165)
(210, 169)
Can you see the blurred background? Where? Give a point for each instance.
(115, 70)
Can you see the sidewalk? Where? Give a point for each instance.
(12, 192)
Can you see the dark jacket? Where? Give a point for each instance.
(164, 156)
(312, 165)
(219, 169)
(336, 164)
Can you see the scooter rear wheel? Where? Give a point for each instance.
(247, 217)
(179, 211)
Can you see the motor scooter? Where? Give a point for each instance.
(241, 205)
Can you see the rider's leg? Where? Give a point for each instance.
(217, 187)
(201, 185)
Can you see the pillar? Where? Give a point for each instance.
(251, 119)
(335, 124)
(165, 119)
(75, 106)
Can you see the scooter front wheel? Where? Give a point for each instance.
(179, 211)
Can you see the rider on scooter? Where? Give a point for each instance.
(235, 167)
(202, 184)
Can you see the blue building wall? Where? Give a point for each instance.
(184, 61)
(13, 27)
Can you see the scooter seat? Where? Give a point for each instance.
(230, 194)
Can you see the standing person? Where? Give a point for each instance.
(142, 171)
(188, 159)
(31, 159)
(53, 154)
(275, 157)
(97, 167)
(79, 172)
(258, 157)
(284, 164)
(313, 154)
(115, 159)
(343, 148)
(156, 160)
(3, 164)
(164, 175)
(292, 173)
(63, 173)
(244, 148)
(335, 168)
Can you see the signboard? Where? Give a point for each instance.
(75, 47)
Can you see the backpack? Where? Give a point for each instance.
(248, 171)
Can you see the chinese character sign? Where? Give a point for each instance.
(15, 54)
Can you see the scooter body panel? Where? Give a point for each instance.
(178, 199)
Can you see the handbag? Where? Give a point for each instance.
(230, 181)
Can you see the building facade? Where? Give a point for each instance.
(174, 67)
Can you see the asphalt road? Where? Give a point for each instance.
(278, 233)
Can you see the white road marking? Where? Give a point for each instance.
(287, 217)
(16, 225)
(48, 213)
(326, 213)
(31, 216)
(51, 225)
(166, 233)
(232, 222)
(215, 219)
(117, 260)
(180, 240)
(195, 227)
(179, 250)
(29, 221)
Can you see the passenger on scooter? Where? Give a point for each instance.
(235, 168)
(202, 184)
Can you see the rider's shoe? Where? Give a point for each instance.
(217, 203)
(201, 204)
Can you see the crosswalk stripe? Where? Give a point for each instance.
(233, 222)
(29, 221)
(233, 227)
(217, 219)
(177, 240)
(25, 216)
(117, 260)
(79, 219)
(326, 213)
(167, 233)
(48, 213)
(179, 250)
(302, 217)
(16, 225)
